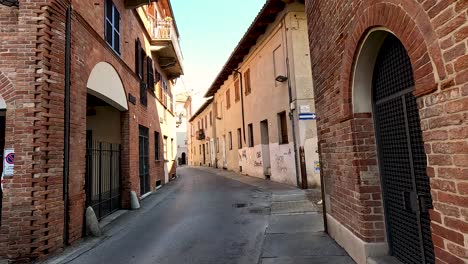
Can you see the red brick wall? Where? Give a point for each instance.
(434, 33)
(32, 59)
(32, 84)
(89, 48)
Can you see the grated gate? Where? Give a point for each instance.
(103, 176)
(402, 159)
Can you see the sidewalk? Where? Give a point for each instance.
(295, 233)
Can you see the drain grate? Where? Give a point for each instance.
(240, 205)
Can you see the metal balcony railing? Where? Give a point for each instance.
(163, 29)
(200, 134)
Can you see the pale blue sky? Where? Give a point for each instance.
(209, 32)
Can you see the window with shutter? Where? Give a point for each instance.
(150, 79)
(143, 94)
(236, 90)
(228, 99)
(138, 58)
(283, 128)
(248, 87)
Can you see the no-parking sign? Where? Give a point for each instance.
(8, 162)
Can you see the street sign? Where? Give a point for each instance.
(8, 162)
(307, 116)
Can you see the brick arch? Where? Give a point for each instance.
(6, 89)
(409, 23)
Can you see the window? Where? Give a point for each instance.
(206, 148)
(211, 118)
(206, 121)
(112, 26)
(236, 90)
(150, 74)
(239, 138)
(248, 87)
(230, 141)
(215, 108)
(200, 149)
(217, 145)
(202, 126)
(138, 59)
(282, 128)
(172, 148)
(165, 149)
(143, 94)
(228, 99)
(156, 146)
(251, 137)
(198, 124)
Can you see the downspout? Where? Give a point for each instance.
(291, 112)
(66, 159)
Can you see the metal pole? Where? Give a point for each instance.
(111, 175)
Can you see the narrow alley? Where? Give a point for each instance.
(216, 216)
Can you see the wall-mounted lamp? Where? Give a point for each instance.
(281, 78)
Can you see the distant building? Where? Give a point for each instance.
(181, 127)
(87, 111)
(263, 103)
(203, 144)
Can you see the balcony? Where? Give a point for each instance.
(131, 4)
(200, 134)
(165, 45)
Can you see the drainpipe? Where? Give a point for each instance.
(291, 112)
(66, 159)
(291, 117)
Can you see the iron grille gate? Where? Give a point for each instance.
(103, 176)
(402, 158)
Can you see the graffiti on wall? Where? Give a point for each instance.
(280, 163)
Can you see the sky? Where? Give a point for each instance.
(209, 31)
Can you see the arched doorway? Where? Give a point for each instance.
(402, 158)
(106, 100)
(183, 159)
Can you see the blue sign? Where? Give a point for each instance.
(307, 116)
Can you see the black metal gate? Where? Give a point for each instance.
(102, 176)
(402, 158)
(144, 160)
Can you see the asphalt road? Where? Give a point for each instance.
(201, 220)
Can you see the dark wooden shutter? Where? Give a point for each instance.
(137, 57)
(150, 77)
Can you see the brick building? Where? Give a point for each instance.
(390, 79)
(87, 109)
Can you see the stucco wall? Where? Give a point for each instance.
(105, 125)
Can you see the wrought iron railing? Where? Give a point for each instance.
(103, 177)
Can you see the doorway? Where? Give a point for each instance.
(224, 153)
(265, 138)
(144, 160)
(204, 154)
(183, 159)
(103, 149)
(402, 158)
(2, 147)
